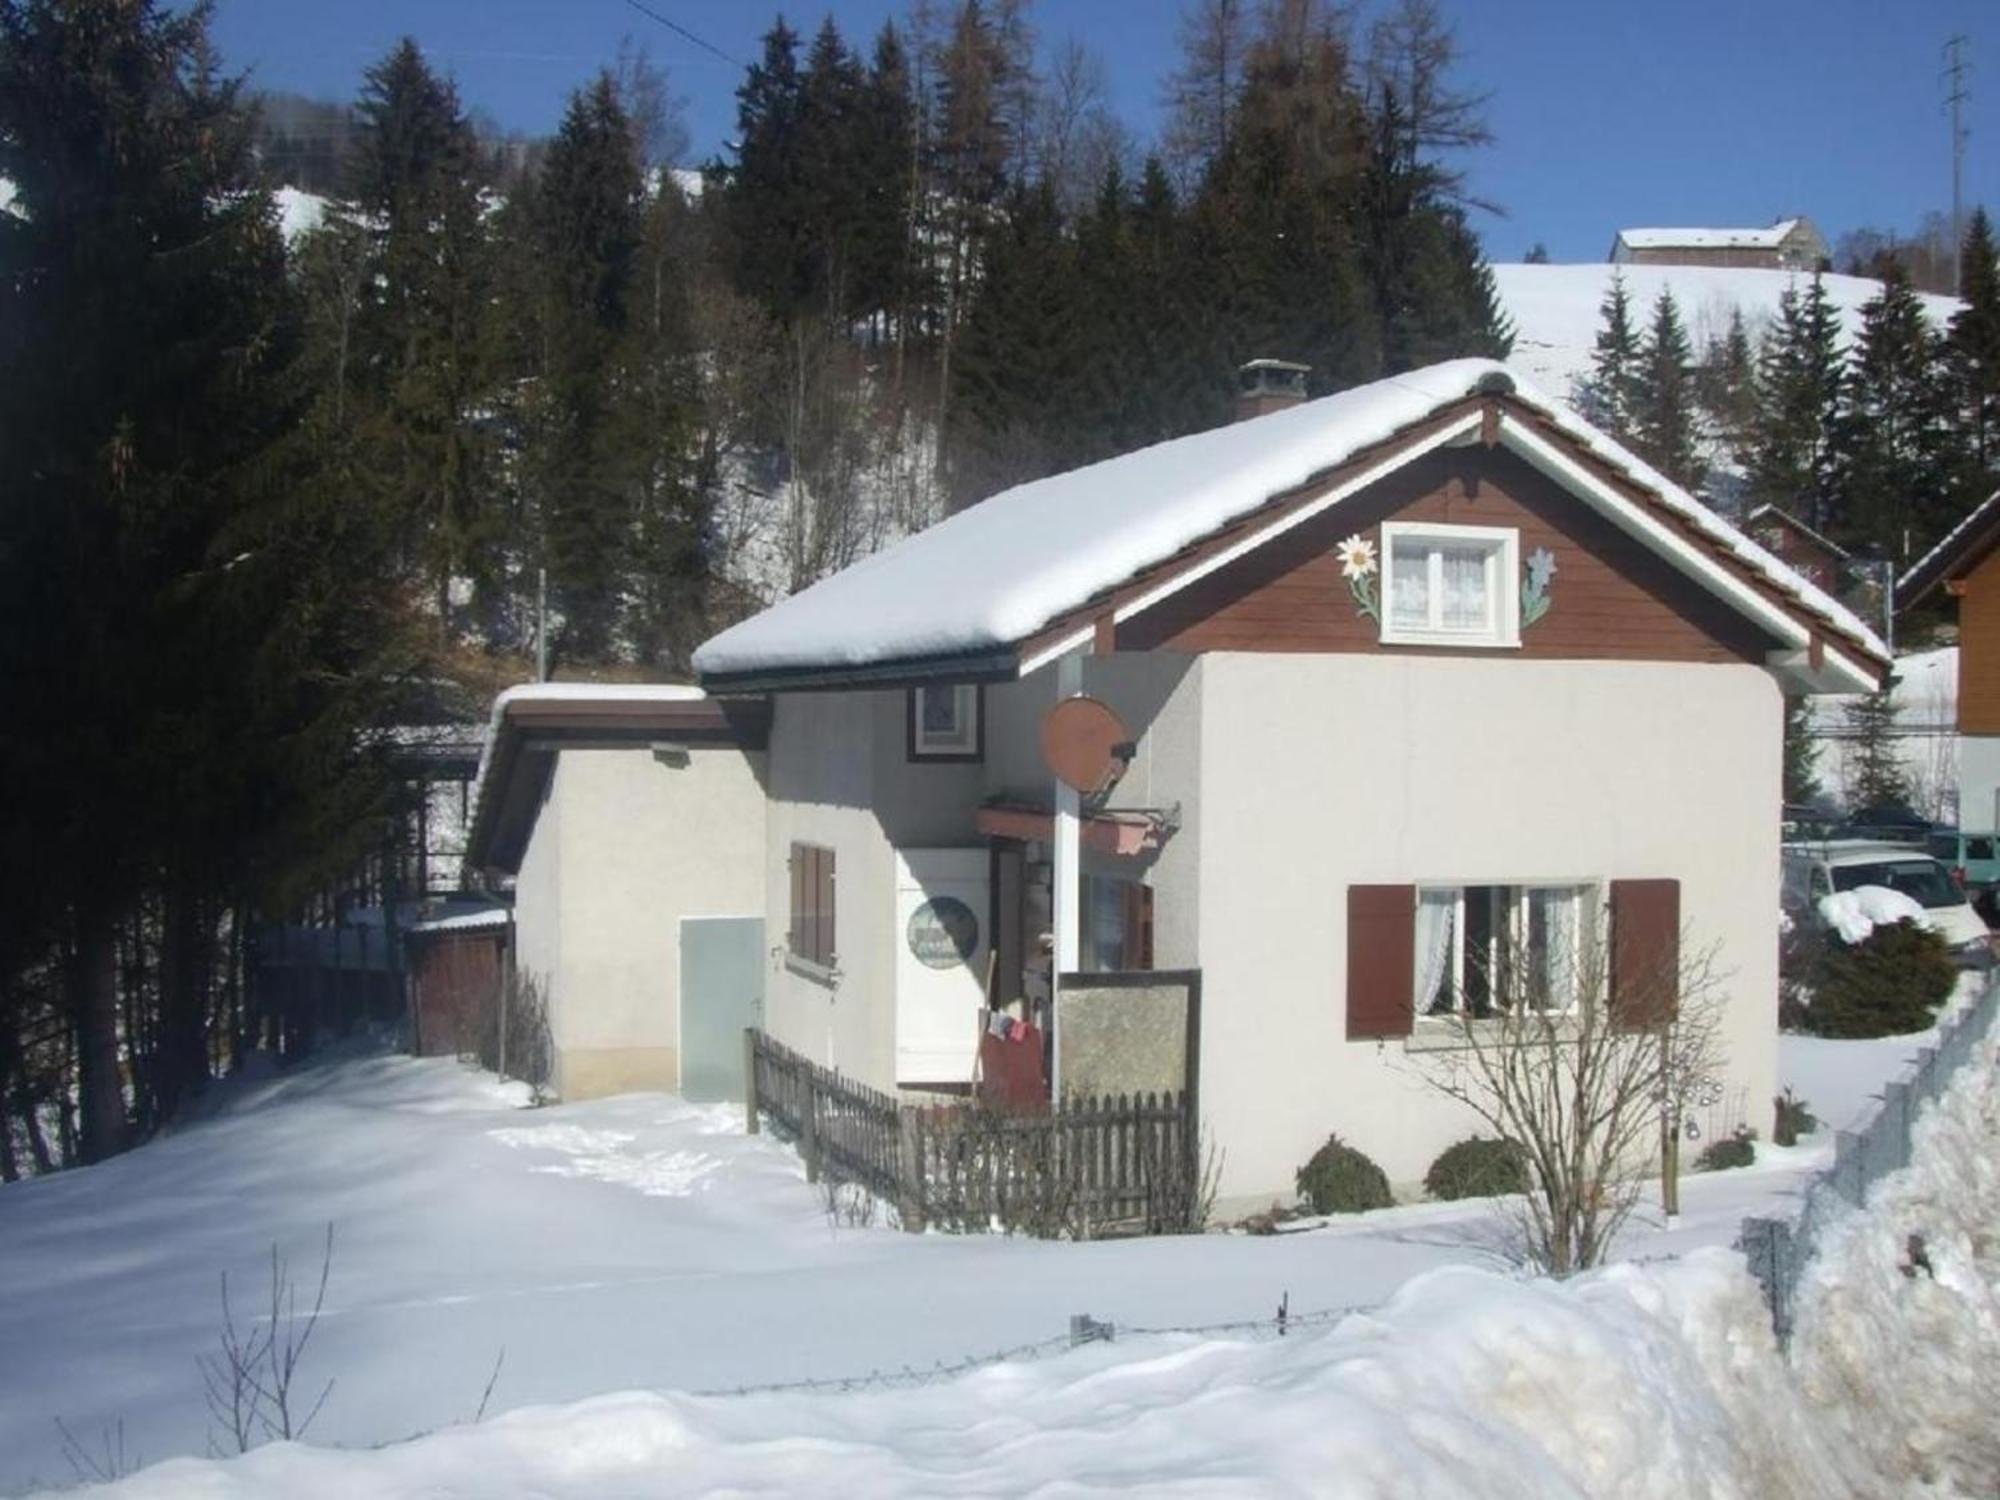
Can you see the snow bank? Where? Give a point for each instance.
(1856, 913)
(1908, 1349)
(1647, 1384)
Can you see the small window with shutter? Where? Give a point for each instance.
(811, 935)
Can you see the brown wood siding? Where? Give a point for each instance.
(1381, 960)
(1611, 598)
(1979, 649)
(1645, 950)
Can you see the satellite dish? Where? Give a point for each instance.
(1086, 745)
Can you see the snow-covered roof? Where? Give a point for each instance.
(531, 693)
(989, 577)
(1933, 565)
(1709, 239)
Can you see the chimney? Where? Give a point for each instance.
(1267, 385)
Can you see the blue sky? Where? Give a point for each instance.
(1606, 112)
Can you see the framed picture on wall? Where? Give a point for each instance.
(947, 722)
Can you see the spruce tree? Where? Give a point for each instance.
(1897, 469)
(765, 191)
(1875, 776)
(1801, 772)
(417, 355)
(588, 234)
(1663, 415)
(1610, 396)
(1727, 389)
(1973, 346)
(1799, 380)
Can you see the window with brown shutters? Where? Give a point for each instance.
(1645, 951)
(811, 939)
(1381, 960)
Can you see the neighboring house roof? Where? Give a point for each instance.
(1709, 239)
(1008, 584)
(1772, 512)
(533, 723)
(1963, 548)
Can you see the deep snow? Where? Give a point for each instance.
(631, 1243)
(1657, 1380)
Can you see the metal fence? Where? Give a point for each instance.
(1083, 1169)
(1779, 1250)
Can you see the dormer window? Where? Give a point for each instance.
(1450, 585)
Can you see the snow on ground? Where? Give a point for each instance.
(1556, 309)
(644, 1244)
(299, 212)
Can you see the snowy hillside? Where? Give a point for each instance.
(641, 1244)
(1555, 309)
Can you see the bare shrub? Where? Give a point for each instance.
(512, 1037)
(101, 1464)
(251, 1381)
(1587, 1083)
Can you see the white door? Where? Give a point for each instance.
(941, 944)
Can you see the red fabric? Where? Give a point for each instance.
(1010, 1067)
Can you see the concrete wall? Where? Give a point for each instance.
(1318, 772)
(627, 846)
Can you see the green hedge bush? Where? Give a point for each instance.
(1478, 1168)
(1888, 984)
(1342, 1180)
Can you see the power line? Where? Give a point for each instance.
(675, 26)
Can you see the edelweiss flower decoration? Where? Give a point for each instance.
(1357, 565)
(1540, 570)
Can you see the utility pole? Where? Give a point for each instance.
(1954, 99)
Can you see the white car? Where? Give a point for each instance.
(1817, 869)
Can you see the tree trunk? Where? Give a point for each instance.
(94, 1008)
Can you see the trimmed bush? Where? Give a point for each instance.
(1737, 1150)
(1793, 1119)
(1478, 1168)
(1888, 984)
(1341, 1180)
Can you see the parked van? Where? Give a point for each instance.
(1813, 870)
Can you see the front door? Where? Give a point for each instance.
(942, 907)
(722, 994)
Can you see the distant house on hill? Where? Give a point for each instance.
(1788, 245)
(1807, 553)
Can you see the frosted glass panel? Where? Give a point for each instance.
(1467, 601)
(1410, 585)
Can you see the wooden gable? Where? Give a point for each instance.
(1612, 597)
(1979, 648)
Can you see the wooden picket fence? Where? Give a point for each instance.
(1086, 1169)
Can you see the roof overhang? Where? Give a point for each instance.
(528, 734)
(1964, 548)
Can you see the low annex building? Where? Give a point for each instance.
(1409, 672)
(628, 820)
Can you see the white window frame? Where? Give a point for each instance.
(967, 742)
(1588, 894)
(1503, 582)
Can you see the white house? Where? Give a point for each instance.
(1406, 670)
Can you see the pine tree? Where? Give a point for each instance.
(1611, 395)
(1663, 415)
(1727, 389)
(1875, 776)
(416, 354)
(1801, 774)
(1799, 379)
(1973, 347)
(191, 604)
(1897, 468)
(588, 233)
(765, 191)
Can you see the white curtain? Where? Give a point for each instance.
(1552, 921)
(1410, 585)
(1465, 591)
(1437, 910)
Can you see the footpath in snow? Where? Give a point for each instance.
(644, 1245)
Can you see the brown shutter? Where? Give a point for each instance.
(1645, 951)
(1381, 960)
(797, 940)
(826, 927)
